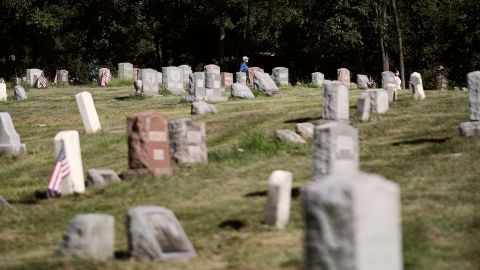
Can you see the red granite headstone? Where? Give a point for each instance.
(227, 79)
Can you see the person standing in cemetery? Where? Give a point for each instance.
(244, 66)
(398, 81)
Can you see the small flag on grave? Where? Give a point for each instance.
(105, 79)
(42, 81)
(61, 170)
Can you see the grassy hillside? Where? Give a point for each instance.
(221, 204)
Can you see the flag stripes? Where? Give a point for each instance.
(61, 170)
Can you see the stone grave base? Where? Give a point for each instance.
(470, 128)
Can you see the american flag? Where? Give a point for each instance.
(42, 81)
(61, 170)
(105, 79)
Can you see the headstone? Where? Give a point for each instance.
(148, 144)
(441, 82)
(335, 102)
(387, 77)
(9, 138)
(107, 73)
(173, 80)
(101, 177)
(69, 141)
(417, 84)
(305, 130)
(212, 69)
(343, 76)
(187, 70)
(392, 91)
(88, 112)
(20, 93)
(125, 71)
(202, 108)
(213, 85)
(89, 236)
(317, 79)
(279, 193)
(227, 79)
(62, 77)
(188, 141)
(353, 222)
(241, 78)
(3, 91)
(263, 82)
(335, 150)
(197, 85)
(155, 233)
(288, 136)
(32, 76)
(363, 107)
(240, 90)
(280, 76)
(362, 81)
(150, 81)
(251, 72)
(472, 128)
(378, 100)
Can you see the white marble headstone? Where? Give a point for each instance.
(3, 92)
(335, 101)
(88, 112)
(70, 140)
(279, 193)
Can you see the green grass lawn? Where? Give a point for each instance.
(411, 145)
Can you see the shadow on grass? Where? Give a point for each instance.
(263, 193)
(122, 255)
(424, 140)
(301, 120)
(235, 224)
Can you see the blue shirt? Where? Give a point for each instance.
(243, 67)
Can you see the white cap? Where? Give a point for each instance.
(245, 58)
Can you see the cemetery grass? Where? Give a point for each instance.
(221, 204)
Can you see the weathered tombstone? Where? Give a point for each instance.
(3, 91)
(335, 149)
(335, 102)
(227, 79)
(69, 141)
(150, 81)
(62, 77)
(104, 76)
(88, 112)
(362, 81)
(279, 192)
(203, 108)
(251, 72)
(148, 144)
(392, 91)
(240, 90)
(188, 141)
(101, 177)
(472, 128)
(32, 76)
(343, 76)
(363, 107)
(213, 85)
(197, 85)
(173, 80)
(125, 71)
(241, 77)
(9, 138)
(317, 79)
(155, 233)
(212, 69)
(263, 82)
(417, 84)
(378, 100)
(387, 77)
(187, 70)
(89, 236)
(353, 222)
(280, 76)
(288, 136)
(20, 93)
(305, 130)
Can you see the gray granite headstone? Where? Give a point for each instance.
(173, 80)
(241, 90)
(89, 236)
(288, 136)
(20, 93)
(280, 76)
(353, 222)
(335, 101)
(125, 71)
(335, 149)
(378, 100)
(212, 69)
(155, 233)
(387, 77)
(187, 70)
(62, 77)
(203, 108)
(363, 106)
(241, 77)
(305, 130)
(263, 82)
(472, 128)
(317, 79)
(188, 141)
(101, 177)
(9, 138)
(197, 84)
(150, 81)
(362, 81)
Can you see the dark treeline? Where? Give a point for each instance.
(364, 36)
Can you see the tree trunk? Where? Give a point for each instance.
(400, 42)
(245, 31)
(221, 41)
(383, 39)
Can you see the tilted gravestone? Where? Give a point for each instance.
(62, 77)
(343, 76)
(387, 77)
(203, 108)
(9, 138)
(305, 130)
(335, 102)
(363, 107)
(335, 149)
(3, 91)
(148, 145)
(173, 80)
(150, 81)
(417, 85)
(472, 128)
(279, 192)
(286, 135)
(155, 233)
(187, 70)
(362, 81)
(188, 141)
(125, 71)
(89, 236)
(280, 76)
(378, 100)
(20, 93)
(251, 72)
(101, 177)
(241, 77)
(88, 112)
(69, 141)
(227, 79)
(32, 76)
(264, 83)
(240, 90)
(317, 79)
(353, 222)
